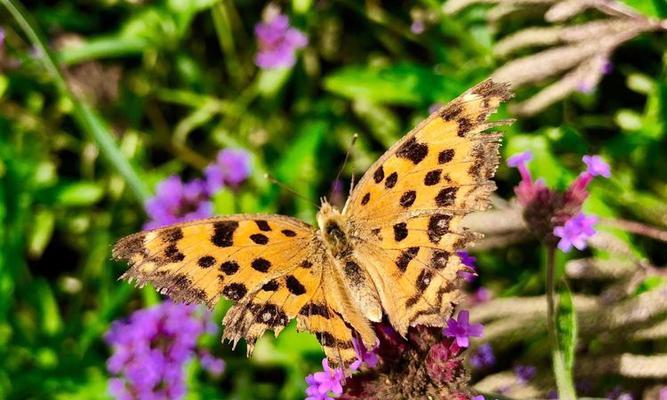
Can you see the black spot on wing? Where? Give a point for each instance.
(223, 233)
(464, 126)
(365, 199)
(378, 175)
(423, 280)
(261, 264)
(432, 177)
(263, 225)
(294, 286)
(229, 267)
(315, 309)
(413, 151)
(406, 256)
(259, 238)
(288, 232)
(445, 156)
(235, 291)
(439, 259)
(271, 286)
(446, 197)
(400, 231)
(206, 261)
(391, 180)
(171, 235)
(172, 254)
(438, 226)
(408, 198)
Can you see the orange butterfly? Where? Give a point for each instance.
(391, 250)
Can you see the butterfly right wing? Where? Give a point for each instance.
(407, 210)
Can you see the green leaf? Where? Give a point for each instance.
(41, 231)
(72, 194)
(404, 84)
(566, 337)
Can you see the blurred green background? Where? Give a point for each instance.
(147, 89)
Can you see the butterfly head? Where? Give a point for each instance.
(333, 227)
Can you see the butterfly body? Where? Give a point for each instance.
(389, 252)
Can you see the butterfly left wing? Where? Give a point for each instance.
(275, 268)
(408, 208)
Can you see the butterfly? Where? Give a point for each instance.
(391, 250)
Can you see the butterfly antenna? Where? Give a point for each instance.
(347, 155)
(289, 189)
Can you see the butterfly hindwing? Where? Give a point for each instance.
(408, 207)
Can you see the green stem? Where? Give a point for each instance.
(551, 289)
(562, 374)
(83, 114)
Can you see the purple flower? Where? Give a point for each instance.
(482, 295)
(462, 330)
(322, 384)
(176, 201)
(214, 366)
(150, 349)
(2, 37)
(663, 393)
(364, 356)
(478, 397)
(277, 43)
(525, 373)
(596, 166)
(519, 159)
(469, 261)
(232, 166)
(575, 232)
(417, 27)
(484, 357)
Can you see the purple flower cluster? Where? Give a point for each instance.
(178, 201)
(151, 347)
(278, 42)
(554, 215)
(462, 330)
